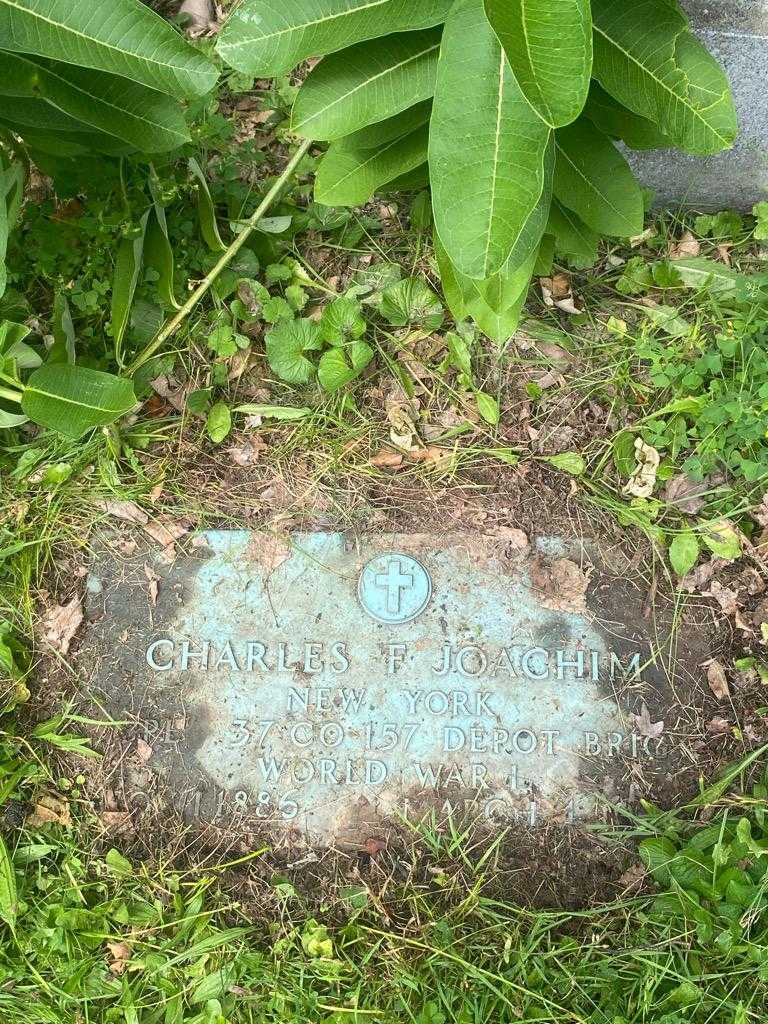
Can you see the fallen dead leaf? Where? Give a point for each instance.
(718, 682)
(373, 846)
(645, 726)
(120, 953)
(718, 726)
(685, 494)
(386, 460)
(556, 292)
(248, 452)
(513, 537)
(562, 586)
(143, 750)
(50, 809)
(154, 581)
(128, 511)
(686, 245)
(633, 877)
(643, 480)
(725, 597)
(61, 623)
(270, 550)
(117, 821)
(166, 531)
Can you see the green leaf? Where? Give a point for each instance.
(63, 348)
(275, 412)
(128, 263)
(708, 275)
(73, 399)
(595, 181)
(117, 864)
(624, 453)
(487, 147)
(219, 422)
(683, 552)
(365, 84)
(287, 344)
(11, 196)
(573, 239)
(568, 462)
(373, 136)
(269, 37)
(123, 37)
(760, 213)
(8, 895)
(11, 419)
(205, 209)
(548, 44)
(146, 119)
(338, 366)
(647, 59)
(349, 176)
(342, 321)
(494, 304)
(722, 539)
(411, 302)
(615, 120)
(488, 407)
(158, 251)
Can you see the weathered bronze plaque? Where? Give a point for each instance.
(326, 684)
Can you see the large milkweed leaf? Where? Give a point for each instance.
(615, 120)
(269, 37)
(206, 211)
(495, 305)
(142, 117)
(594, 180)
(646, 57)
(11, 196)
(487, 147)
(70, 144)
(366, 83)
(375, 135)
(349, 176)
(123, 37)
(549, 46)
(573, 239)
(73, 399)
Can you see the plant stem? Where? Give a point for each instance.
(12, 396)
(172, 325)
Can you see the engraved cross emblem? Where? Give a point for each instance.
(394, 580)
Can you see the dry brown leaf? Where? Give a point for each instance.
(687, 245)
(386, 460)
(374, 846)
(174, 396)
(685, 494)
(643, 480)
(270, 550)
(633, 876)
(248, 452)
(128, 511)
(718, 726)
(167, 531)
(718, 682)
(556, 291)
(724, 252)
(645, 726)
(116, 821)
(725, 597)
(50, 809)
(120, 953)
(143, 750)
(61, 623)
(512, 536)
(562, 586)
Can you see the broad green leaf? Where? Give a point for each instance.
(219, 422)
(158, 251)
(722, 539)
(142, 117)
(66, 143)
(349, 176)
(683, 552)
(287, 345)
(342, 321)
(269, 37)
(573, 239)
(63, 348)
(123, 37)
(8, 894)
(128, 264)
(73, 399)
(615, 120)
(495, 304)
(648, 60)
(11, 195)
(568, 462)
(488, 407)
(411, 302)
(594, 180)
(11, 419)
(366, 83)
(340, 365)
(708, 275)
(416, 179)
(545, 257)
(205, 209)
(375, 135)
(548, 44)
(487, 147)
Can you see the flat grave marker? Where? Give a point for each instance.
(323, 685)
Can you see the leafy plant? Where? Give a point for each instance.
(511, 108)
